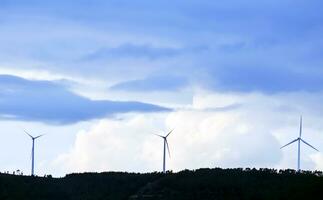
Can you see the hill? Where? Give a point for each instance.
(202, 184)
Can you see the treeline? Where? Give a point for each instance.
(89, 186)
(202, 184)
(207, 184)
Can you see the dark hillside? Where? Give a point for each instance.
(89, 186)
(205, 184)
(202, 184)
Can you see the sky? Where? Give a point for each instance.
(100, 78)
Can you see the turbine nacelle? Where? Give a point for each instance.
(165, 137)
(32, 137)
(299, 140)
(33, 150)
(165, 146)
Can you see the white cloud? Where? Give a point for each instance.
(118, 145)
(318, 160)
(247, 136)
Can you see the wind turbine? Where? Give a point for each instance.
(32, 151)
(165, 145)
(299, 140)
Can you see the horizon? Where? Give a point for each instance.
(99, 79)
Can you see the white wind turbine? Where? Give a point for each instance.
(299, 140)
(32, 151)
(165, 145)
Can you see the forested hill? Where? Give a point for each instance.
(202, 184)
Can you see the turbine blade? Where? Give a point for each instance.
(169, 133)
(309, 145)
(167, 147)
(289, 143)
(39, 136)
(28, 134)
(159, 135)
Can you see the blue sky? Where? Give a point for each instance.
(80, 66)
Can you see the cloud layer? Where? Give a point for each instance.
(51, 102)
(268, 46)
(151, 84)
(204, 136)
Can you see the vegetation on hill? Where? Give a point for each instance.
(202, 184)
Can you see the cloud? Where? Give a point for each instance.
(249, 135)
(51, 102)
(216, 138)
(267, 79)
(199, 140)
(239, 45)
(135, 51)
(318, 159)
(151, 84)
(112, 145)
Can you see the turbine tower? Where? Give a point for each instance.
(299, 140)
(32, 151)
(165, 146)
